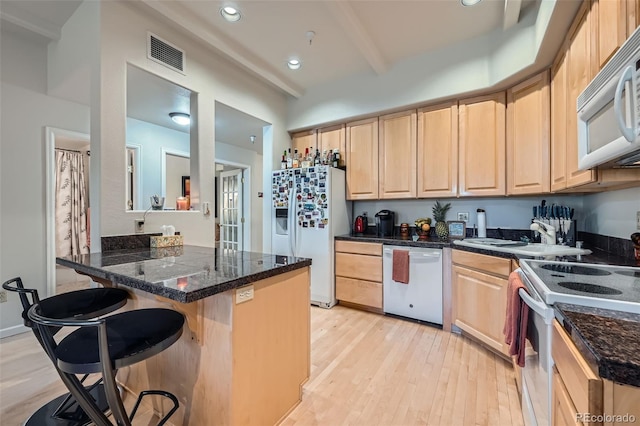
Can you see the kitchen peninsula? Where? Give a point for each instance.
(246, 353)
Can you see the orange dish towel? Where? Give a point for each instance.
(516, 319)
(401, 266)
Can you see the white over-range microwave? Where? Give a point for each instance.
(609, 112)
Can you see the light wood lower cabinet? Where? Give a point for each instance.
(563, 412)
(579, 391)
(359, 274)
(479, 297)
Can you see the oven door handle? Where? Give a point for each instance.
(540, 308)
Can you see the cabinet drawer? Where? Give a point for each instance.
(373, 249)
(359, 266)
(362, 292)
(490, 264)
(583, 385)
(563, 412)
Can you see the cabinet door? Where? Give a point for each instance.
(302, 141)
(563, 413)
(397, 157)
(559, 122)
(609, 27)
(633, 16)
(362, 159)
(482, 146)
(479, 305)
(578, 76)
(528, 114)
(331, 138)
(438, 151)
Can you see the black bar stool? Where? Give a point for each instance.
(81, 304)
(105, 345)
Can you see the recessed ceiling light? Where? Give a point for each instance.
(469, 2)
(230, 14)
(180, 118)
(294, 64)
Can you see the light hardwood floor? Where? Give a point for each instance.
(367, 369)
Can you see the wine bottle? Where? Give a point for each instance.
(316, 159)
(283, 164)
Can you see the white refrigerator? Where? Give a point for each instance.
(309, 209)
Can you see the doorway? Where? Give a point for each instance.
(68, 210)
(233, 207)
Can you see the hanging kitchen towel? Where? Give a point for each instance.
(516, 319)
(401, 266)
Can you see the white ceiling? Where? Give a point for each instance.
(352, 38)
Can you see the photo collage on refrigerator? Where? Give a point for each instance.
(311, 197)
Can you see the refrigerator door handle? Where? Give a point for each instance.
(293, 230)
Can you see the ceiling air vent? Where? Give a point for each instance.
(165, 53)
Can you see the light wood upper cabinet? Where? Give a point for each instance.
(398, 140)
(482, 145)
(303, 140)
(330, 138)
(438, 151)
(362, 159)
(579, 74)
(559, 123)
(528, 136)
(609, 28)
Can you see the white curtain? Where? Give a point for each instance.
(71, 204)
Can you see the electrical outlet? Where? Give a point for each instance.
(244, 294)
(463, 216)
(3, 296)
(638, 220)
(138, 225)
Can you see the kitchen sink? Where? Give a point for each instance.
(521, 248)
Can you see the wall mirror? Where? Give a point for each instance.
(158, 140)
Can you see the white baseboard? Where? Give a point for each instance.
(12, 331)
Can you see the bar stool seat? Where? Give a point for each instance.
(80, 304)
(106, 344)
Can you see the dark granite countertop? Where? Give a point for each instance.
(182, 273)
(608, 340)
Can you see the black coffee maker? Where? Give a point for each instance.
(385, 221)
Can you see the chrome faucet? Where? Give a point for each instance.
(545, 230)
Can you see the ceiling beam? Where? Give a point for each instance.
(30, 22)
(354, 29)
(511, 13)
(195, 26)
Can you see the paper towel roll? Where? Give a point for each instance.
(482, 224)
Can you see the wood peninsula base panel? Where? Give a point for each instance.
(252, 361)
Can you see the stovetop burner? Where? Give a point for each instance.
(574, 269)
(634, 274)
(588, 288)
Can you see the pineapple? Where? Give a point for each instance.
(440, 216)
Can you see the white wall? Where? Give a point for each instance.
(124, 29)
(505, 213)
(26, 110)
(612, 213)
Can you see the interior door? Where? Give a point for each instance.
(231, 219)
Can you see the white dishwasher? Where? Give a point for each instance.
(421, 298)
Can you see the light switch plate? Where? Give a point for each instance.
(638, 220)
(3, 296)
(244, 294)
